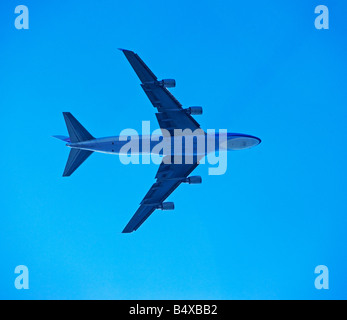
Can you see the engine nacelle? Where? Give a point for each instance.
(193, 180)
(167, 83)
(194, 110)
(166, 206)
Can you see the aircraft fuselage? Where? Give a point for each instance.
(171, 145)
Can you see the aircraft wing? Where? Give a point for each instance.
(169, 177)
(170, 114)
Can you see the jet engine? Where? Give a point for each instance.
(193, 180)
(166, 206)
(194, 110)
(167, 83)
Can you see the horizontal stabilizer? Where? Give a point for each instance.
(76, 158)
(76, 131)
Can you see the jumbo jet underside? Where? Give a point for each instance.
(171, 116)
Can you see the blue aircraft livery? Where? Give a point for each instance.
(182, 144)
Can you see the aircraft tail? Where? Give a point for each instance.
(77, 133)
(76, 158)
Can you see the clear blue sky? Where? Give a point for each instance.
(259, 231)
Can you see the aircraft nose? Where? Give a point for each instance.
(242, 142)
(255, 139)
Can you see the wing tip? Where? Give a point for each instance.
(127, 230)
(124, 50)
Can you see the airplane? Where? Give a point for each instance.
(171, 116)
